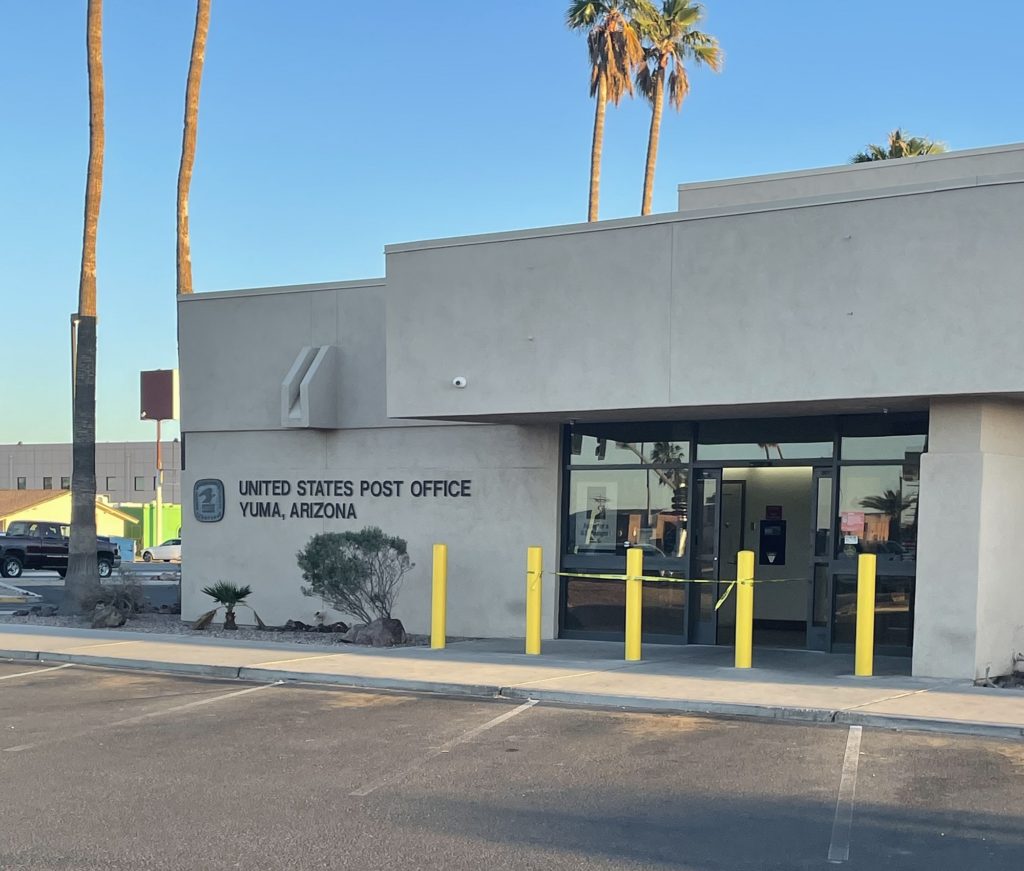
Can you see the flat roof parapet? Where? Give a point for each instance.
(938, 171)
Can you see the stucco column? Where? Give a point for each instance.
(969, 614)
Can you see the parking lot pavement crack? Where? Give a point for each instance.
(880, 701)
(620, 667)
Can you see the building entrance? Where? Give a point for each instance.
(783, 515)
(807, 495)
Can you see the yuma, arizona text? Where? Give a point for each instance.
(312, 510)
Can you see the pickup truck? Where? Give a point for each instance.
(42, 544)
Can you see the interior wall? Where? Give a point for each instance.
(790, 488)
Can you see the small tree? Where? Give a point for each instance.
(358, 573)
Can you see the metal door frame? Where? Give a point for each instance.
(704, 630)
(820, 637)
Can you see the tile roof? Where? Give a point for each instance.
(13, 501)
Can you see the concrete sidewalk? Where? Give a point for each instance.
(792, 685)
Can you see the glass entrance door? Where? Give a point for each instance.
(819, 595)
(705, 514)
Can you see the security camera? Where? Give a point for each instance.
(459, 381)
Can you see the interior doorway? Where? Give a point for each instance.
(776, 512)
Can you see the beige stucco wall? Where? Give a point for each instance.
(513, 505)
(807, 307)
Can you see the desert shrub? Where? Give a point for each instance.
(357, 573)
(123, 592)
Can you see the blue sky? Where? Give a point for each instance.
(330, 128)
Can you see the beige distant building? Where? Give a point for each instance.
(125, 471)
(55, 505)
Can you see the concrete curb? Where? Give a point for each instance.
(677, 706)
(379, 683)
(512, 693)
(20, 655)
(923, 724)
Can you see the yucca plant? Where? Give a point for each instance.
(227, 596)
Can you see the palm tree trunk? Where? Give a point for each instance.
(595, 148)
(652, 142)
(188, 142)
(82, 547)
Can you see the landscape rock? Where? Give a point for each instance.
(334, 627)
(24, 613)
(108, 617)
(382, 632)
(295, 626)
(48, 611)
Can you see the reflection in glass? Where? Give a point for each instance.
(612, 509)
(894, 600)
(706, 506)
(765, 451)
(600, 606)
(878, 511)
(590, 450)
(820, 603)
(889, 447)
(824, 514)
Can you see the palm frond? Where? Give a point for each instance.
(259, 623)
(205, 620)
(899, 146)
(228, 594)
(678, 86)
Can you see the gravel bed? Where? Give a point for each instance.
(171, 624)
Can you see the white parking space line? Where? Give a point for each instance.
(444, 748)
(35, 671)
(839, 847)
(141, 718)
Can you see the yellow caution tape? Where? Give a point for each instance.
(721, 599)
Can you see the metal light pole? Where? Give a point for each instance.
(159, 395)
(159, 487)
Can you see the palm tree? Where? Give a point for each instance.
(615, 51)
(227, 596)
(188, 142)
(82, 563)
(671, 40)
(899, 146)
(891, 503)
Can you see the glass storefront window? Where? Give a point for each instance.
(878, 511)
(752, 451)
(610, 510)
(600, 606)
(887, 447)
(609, 447)
(894, 602)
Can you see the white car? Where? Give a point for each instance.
(169, 551)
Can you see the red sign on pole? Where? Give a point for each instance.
(159, 394)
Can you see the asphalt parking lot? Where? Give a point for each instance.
(129, 770)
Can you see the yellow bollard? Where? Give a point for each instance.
(864, 659)
(534, 580)
(439, 597)
(634, 602)
(744, 608)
